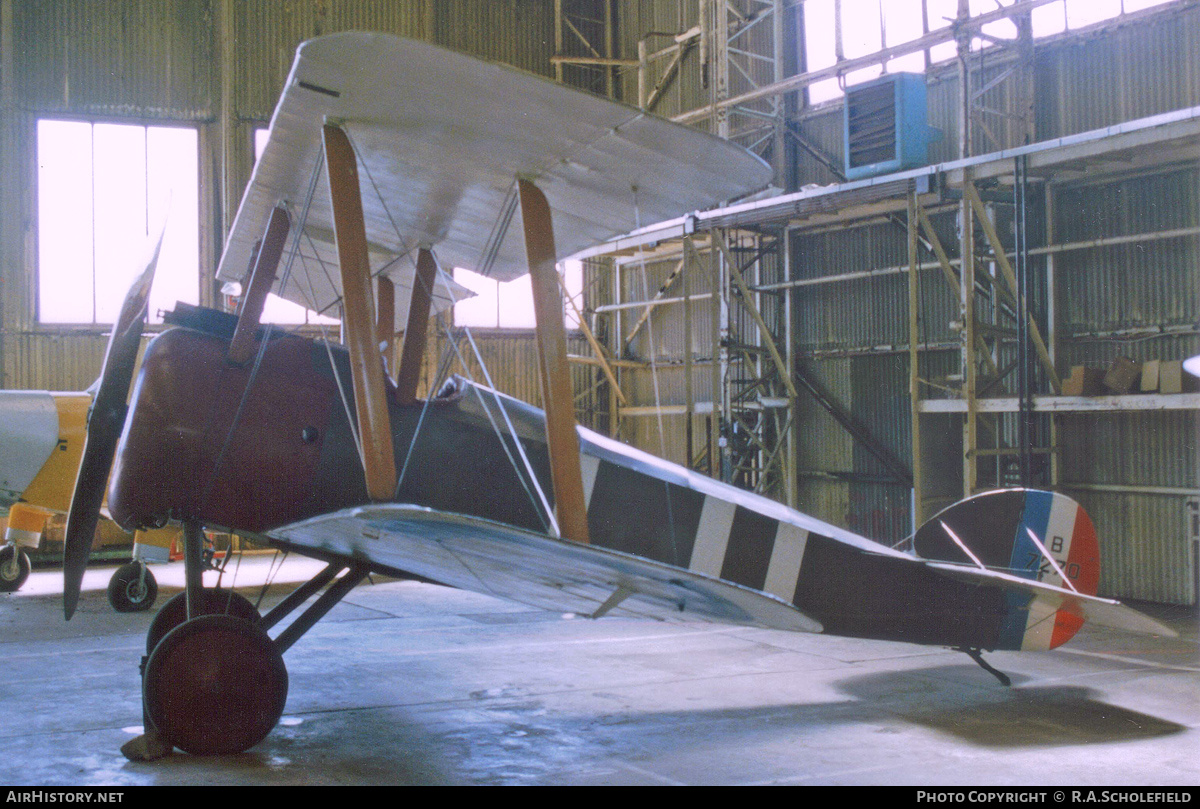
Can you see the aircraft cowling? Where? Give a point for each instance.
(196, 447)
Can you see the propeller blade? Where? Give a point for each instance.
(105, 421)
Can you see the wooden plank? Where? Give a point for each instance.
(1072, 404)
(385, 312)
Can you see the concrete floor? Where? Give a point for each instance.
(409, 683)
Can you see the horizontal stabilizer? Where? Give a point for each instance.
(1100, 611)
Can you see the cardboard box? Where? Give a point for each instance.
(1122, 375)
(1084, 381)
(1150, 372)
(1170, 376)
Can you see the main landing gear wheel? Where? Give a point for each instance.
(14, 569)
(216, 602)
(132, 588)
(215, 685)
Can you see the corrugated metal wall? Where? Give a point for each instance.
(122, 58)
(1135, 472)
(510, 358)
(516, 32)
(663, 341)
(690, 86)
(639, 18)
(1141, 69)
(161, 61)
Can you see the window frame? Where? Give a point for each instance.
(38, 281)
(830, 27)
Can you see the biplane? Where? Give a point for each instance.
(388, 162)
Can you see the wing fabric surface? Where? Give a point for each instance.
(501, 560)
(441, 138)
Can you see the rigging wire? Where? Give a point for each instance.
(333, 369)
(541, 494)
(491, 247)
(442, 370)
(273, 570)
(262, 348)
(545, 513)
(499, 230)
(662, 433)
(441, 374)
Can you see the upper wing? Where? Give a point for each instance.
(530, 568)
(441, 137)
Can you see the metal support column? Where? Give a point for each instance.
(967, 340)
(193, 568)
(791, 480)
(914, 366)
(1026, 425)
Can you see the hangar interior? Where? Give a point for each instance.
(1000, 296)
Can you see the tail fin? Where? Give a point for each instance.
(1029, 534)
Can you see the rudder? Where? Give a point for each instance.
(1002, 531)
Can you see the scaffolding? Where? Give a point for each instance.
(999, 405)
(711, 306)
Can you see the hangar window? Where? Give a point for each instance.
(510, 305)
(102, 189)
(869, 26)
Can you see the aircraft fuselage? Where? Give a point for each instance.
(260, 446)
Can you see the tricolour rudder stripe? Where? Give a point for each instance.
(1067, 534)
(1082, 568)
(1027, 559)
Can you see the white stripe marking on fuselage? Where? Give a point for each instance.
(783, 573)
(712, 536)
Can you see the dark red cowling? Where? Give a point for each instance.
(182, 455)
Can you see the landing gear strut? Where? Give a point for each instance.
(213, 680)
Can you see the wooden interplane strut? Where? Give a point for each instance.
(262, 276)
(409, 373)
(370, 398)
(385, 314)
(566, 473)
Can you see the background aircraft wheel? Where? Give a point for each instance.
(128, 591)
(215, 685)
(14, 569)
(216, 602)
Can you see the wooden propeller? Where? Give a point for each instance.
(105, 421)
